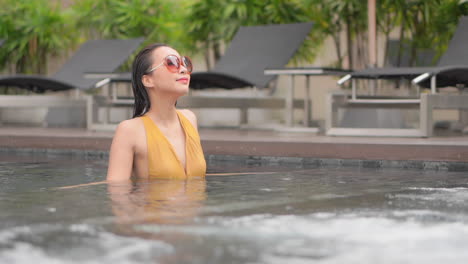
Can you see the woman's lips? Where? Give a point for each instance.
(182, 80)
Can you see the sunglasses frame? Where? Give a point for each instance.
(180, 61)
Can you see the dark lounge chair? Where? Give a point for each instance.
(451, 70)
(252, 50)
(92, 56)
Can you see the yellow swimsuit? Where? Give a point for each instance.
(163, 162)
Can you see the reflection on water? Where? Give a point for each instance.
(157, 201)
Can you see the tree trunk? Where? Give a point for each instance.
(207, 56)
(336, 40)
(400, 47)
(400, 42)
(217, 51)
(361, 56)
(385, 48)
(416, 35)
(349, 42)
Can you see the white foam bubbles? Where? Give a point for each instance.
(369, 237)
(76, 243)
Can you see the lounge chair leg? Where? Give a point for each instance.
(244, 116)
(77, 93)
(289, 103)
(329, 111)
(354, 89)
(307, 104)
(89, 111)
(425, 110)
(334, 102)
(433, 84)
(107, 112)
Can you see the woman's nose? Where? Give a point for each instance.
(183, 68)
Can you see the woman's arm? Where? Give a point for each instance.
(122, 152)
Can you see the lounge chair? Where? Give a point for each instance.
(92, 56)
(451, 70)
(252, 50)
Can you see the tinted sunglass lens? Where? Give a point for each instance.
(172, 63)
(188, 64)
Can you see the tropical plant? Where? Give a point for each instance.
(205, 27)
(34, 30)
(423, 24)
(390, 16)
(444, 19)
(156, 20)
(333, 17)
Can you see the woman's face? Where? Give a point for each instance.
(163, 80)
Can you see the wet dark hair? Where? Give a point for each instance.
(141, 65)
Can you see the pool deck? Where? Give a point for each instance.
(259, 143)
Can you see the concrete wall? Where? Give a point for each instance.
(42, 110)
(27, 117)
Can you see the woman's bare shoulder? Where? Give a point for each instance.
(129, 127)
(190, 116)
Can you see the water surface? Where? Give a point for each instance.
(290, 215)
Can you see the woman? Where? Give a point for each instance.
(159, 141)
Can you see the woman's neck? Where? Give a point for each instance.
(163, 110)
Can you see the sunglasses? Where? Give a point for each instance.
(173, 63)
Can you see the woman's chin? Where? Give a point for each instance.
(178, 90)
(183, 90)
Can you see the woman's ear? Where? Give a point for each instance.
(147, 81)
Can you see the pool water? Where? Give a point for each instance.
(288, 215)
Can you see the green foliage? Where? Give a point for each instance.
(424, 24)
(333, 17)
(33, 30)
(156, 20)
(444, 22)
(37, 29)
